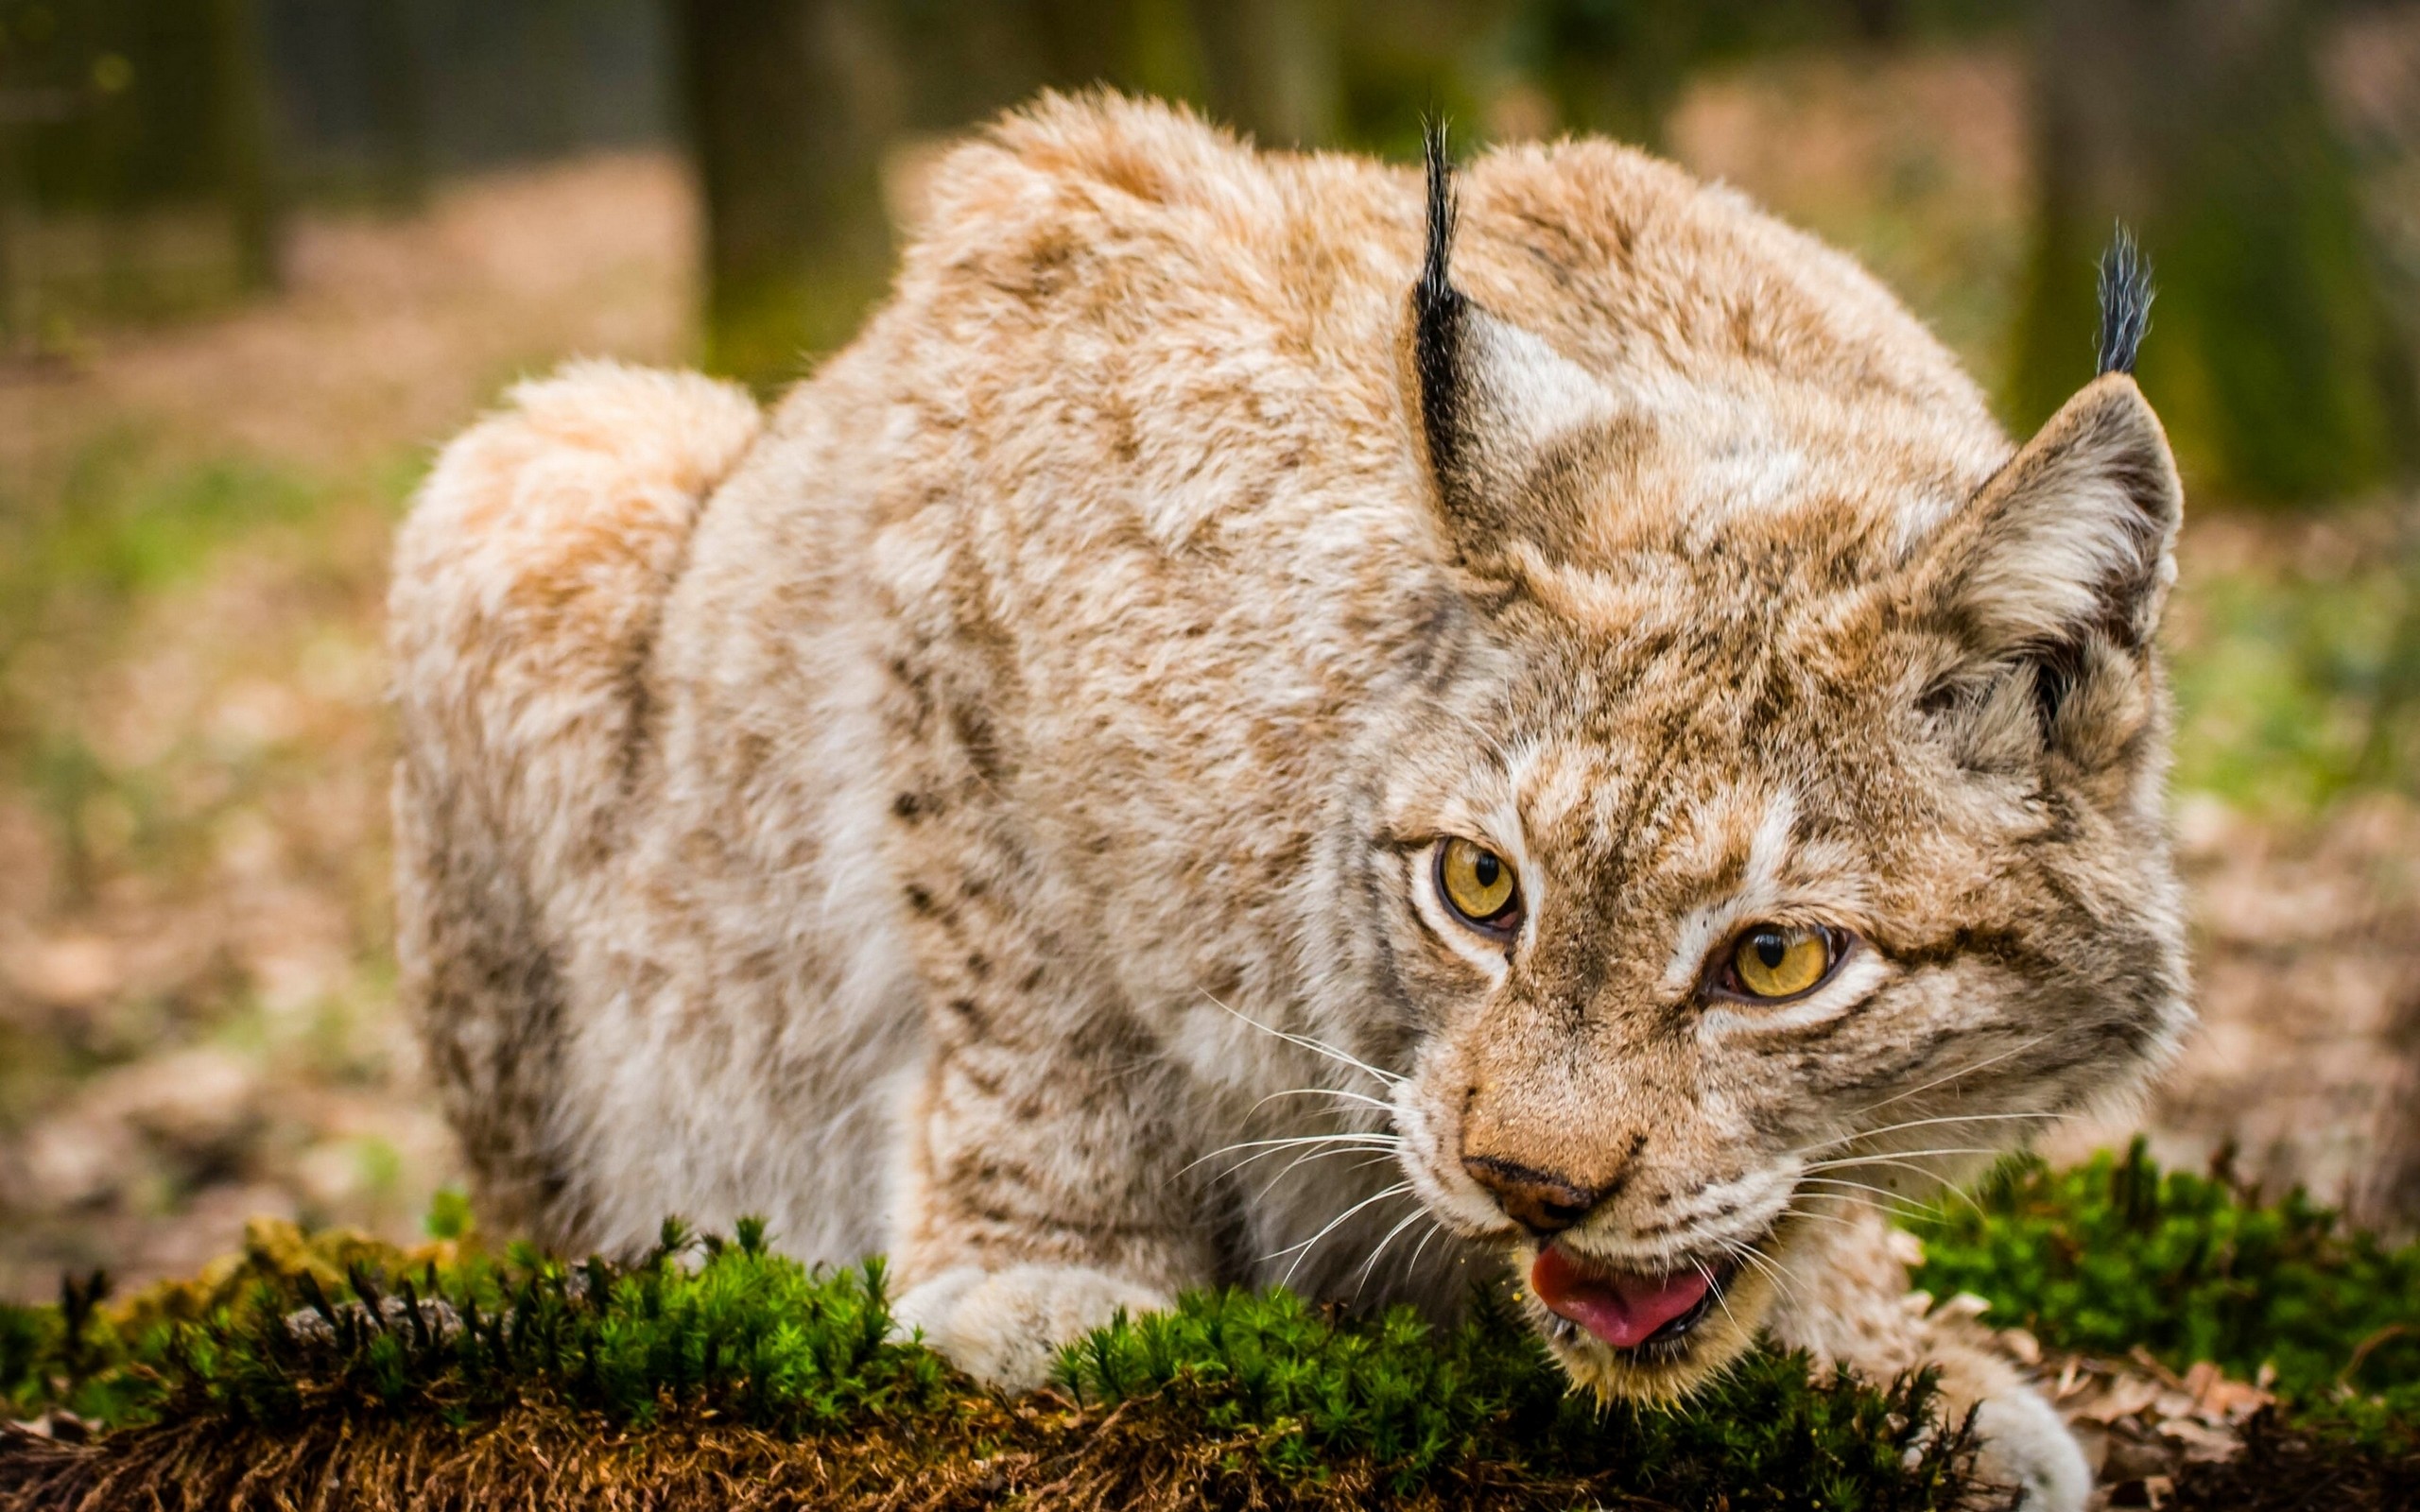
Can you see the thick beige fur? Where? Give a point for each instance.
(989, 814)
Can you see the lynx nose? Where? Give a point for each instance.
(1537, 1200)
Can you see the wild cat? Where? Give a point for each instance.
(1267, 720)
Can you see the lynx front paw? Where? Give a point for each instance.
(1004, 1328)
(2026, 1446)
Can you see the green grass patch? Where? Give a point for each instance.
(2297, 683)
(125, 522)
(2293, 689)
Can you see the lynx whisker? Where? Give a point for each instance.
(1326, 1091)
(1301, 1251)
(1716, 1287)
(1367, 1265)
(1411, 1267)
(1274, 1182)
(1962, 1072)
(1318, 1047)
(1901, 1158)
(1747, 1253)
(1319, 1152)
(1929, 1122)
(1360, 1139)
(1901, 1201)
(1794, 1211)
(1906, 1165)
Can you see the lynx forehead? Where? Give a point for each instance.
(1274, 719)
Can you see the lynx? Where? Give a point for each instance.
(1270, 720)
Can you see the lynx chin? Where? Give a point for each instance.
(1273, 719)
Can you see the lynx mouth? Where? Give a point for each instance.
(1632, 1312)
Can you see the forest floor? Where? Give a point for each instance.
(196, 974)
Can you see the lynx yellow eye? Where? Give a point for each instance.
(1780, 960)
(1479, 885)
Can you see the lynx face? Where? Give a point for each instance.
(1811, 852)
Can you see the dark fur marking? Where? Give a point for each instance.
(2000, 946)
(1387, 971)
(1818, 1032)
(1887, 1075)
(912, 681)
(1648, 805)
(2054, 673)
(988, 1085)
(980, 743)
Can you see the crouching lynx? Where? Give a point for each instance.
(1241, 732)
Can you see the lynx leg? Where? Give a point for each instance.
(527, 586)
(1047, 1187)
(1046, 1191)
(1852, 1309)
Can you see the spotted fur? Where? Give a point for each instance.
(986, 811)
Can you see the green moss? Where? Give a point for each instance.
(1305, 1389)
(28, 1345)
(753, 1336)
(732, 1334)
(1254, 1389)
(2116, 1253)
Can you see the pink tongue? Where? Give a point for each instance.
(1618, 1307)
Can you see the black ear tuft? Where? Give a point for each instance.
(1497, 405)
(2125, 301)
(1439, 309)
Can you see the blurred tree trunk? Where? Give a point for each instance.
(128, 106)
(790, 103)
(555, 48)
(16, 302)
(1611, 68)
(240, 132)
(2203, 126)
(1273, 68)
(398, 101)
(1617, 67)
(1082, 41)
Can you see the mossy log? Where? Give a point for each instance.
(332, 1371)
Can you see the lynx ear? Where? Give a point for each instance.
(2054, 575)
(1496, 404)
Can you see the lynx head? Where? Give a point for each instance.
(1799, 835)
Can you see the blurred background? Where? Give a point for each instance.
(257, 257)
